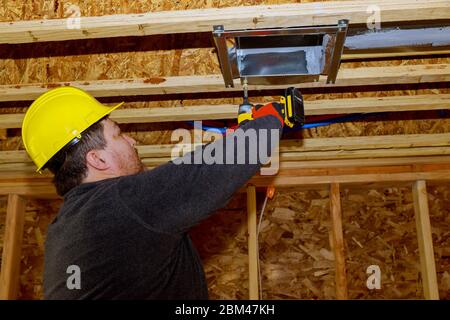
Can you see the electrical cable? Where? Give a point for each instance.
(346, 118)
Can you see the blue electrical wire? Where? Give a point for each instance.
(346, 118)
(311, 125)
(210, 129)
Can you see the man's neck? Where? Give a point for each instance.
(99, 176)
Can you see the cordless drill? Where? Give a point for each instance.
(292, 103)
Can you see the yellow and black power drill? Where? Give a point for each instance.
(293, 108)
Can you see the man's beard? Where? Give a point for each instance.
(139, 164)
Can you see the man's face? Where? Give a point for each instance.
(120, 152)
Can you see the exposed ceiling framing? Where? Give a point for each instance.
(399, 11)
(400, 159)
(203, 20)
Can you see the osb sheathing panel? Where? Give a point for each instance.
(379, 229)
(297, 260)
(38, 216)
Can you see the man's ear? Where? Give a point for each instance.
(97, 159)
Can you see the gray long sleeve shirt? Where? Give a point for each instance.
(128, 235)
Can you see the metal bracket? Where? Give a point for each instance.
(341, 34)
(222, 51)
(280, 55)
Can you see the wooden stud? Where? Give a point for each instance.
(228, 111)
(364, 154)
(291, 181)
(403, 74)
(253, 275)
(378, 104)
(319, 174)
(288, 157)
(355, 163)
(309, 149)
(338, 242)
(425, 240)
(203, 20)
(395, 52)
(12, 247)
(366, 142)
(34, 189)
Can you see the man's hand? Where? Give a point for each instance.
(273, 108)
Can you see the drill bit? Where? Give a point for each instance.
(245, 87)
(245, 106)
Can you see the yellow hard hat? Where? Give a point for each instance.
(56, 118)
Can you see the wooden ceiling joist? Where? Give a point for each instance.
(307, 161)
(349, 179)
(26, 171)
(371, 162)
(203, 20)
(394, 53)
(228, 111)
(389, 175)
(368, 76)
(319, 155)
(371, 147)
(350, 160)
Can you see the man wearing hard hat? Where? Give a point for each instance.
(121, 232)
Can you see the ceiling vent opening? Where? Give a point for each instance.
(280, 56)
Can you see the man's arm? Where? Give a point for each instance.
(174, 197)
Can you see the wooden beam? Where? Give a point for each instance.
(338, 242)
(378, 104)
(29, 188)
(366, 76)
(366, 142)
(24, 172)
(363, 178)
(12, 247)
(355, 163)
(361, 143)
(312, 155)
(366, 147)
(203, 20)
(228, 111)
(394, 52)
(152, 158)
(425, 240)
(342, 171)
(34, 186)
(253, 275)
(363, 154)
